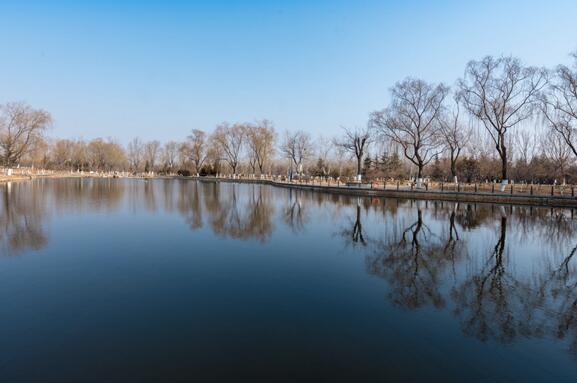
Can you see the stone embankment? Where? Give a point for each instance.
(371, 191)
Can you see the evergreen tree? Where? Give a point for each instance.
(367, 165)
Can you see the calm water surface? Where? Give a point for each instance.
(173, 280)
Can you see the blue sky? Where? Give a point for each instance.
(157, 69)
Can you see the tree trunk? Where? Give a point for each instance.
(358, 227)
(503, 153)
(359, 168)
(453, 164)
(419, 176)
(504, 166)
(501, 243)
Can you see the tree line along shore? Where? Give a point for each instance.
(502, 123)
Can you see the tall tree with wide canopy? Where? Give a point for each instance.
(559, 104)
(151, 151)
(501, 93)
(197, 149)
(229, 141)
(135, 153)
(260, 139)
(297, 147)
(20, 127)
(356, 141)
(453, 134)
(411, 120)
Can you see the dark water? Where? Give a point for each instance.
(126, 280)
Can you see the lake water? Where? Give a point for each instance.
(111, 280)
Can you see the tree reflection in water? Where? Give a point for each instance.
(559, 289)
(411, 259)
(435, 263)
(496, 302)
(504, 272)
(245, 214)
(485, 299)
(495, 296)
(189, 204)
(26, 206)
(353, 232)
(21, 219)
(293, 213)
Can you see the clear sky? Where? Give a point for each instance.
(157, 69)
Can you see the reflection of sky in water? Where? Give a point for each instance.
(230, 274)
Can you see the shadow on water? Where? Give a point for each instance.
(469, 259)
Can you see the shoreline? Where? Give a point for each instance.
(32, 177)
(4, 179)
(451, 196)
(431, 195)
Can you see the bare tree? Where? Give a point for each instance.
(454, 134)
(135, 152)
(37, 155)
(79, 155)
(214, 156)
(183, 155)
(197, 148)
(555, 149)
(501, 93)
(525, 142)
(341, 163)
(297, 147)
(559, 104)
(151, 150)
(62, 152)
(169, 155)
(105, 155)
(324, 146)
(20, 126)
(229, 140)
(356, 141)
(260, 138)
(411, 120)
